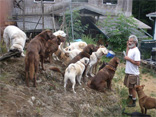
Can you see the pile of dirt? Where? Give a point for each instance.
(49, 98)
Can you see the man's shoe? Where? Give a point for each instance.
(129, 100)
(132, 104)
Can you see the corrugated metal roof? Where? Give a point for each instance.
(140, 34)
(140, 24)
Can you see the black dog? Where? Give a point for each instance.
(135, 114)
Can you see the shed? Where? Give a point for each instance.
(152, 16)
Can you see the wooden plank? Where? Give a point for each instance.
(10, 54)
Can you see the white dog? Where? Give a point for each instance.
(60, 33)
(14, 38)
(76, 45)
(71, 53)
(94, 58)
(75, 71)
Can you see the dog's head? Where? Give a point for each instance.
(47, 34)
(84, 60)
(60, 33)
(61, 39)
(90, 48)
(16, 46)
(139, 87)
(114, 62)
(104, 50)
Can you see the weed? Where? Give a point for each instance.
(148, 71)
(89, 39)
(2, 48)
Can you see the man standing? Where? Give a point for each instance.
(132, 69)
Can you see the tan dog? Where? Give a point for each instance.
(76, 45)
(94, 59)
(71, 53)
(75, 71)
(104, 76)
(145, 101)
(35, 53)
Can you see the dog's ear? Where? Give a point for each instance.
(49, 34)
(118, 60)
(143, 86)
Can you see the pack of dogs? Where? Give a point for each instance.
(79, 58)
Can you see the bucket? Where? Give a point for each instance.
(110, 54)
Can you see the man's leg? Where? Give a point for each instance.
(133, 93)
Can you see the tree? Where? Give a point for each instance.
(79, 29)
(118, 29)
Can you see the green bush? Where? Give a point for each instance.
(118, 29)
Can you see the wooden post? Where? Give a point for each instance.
(53, 19)
(24, 15)
(71, 14)
(42, 6)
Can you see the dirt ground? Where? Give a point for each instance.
(49, 99)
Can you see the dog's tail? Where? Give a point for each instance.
(56, 70)
(31, 71)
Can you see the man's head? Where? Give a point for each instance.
(132, 41)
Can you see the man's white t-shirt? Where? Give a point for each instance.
(134, 54)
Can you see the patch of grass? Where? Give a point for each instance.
(89, 39)
(105, 59)
(2, 48)
(148, 71)
(153, 94)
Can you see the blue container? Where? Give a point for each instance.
(78, 40)
(110, 54)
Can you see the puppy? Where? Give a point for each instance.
(35, 53)
(75, 71)
(94, 59)
(14, 38)
(87, 51)
(76, 45)
(104, 76)
(145, 101)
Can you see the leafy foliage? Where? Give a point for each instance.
(118, 30)
(88, 39)
(78, 28)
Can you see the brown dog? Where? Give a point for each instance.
(87, 51)
(145, 102)
(52, 46)
(104, 76)
(35, 53)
